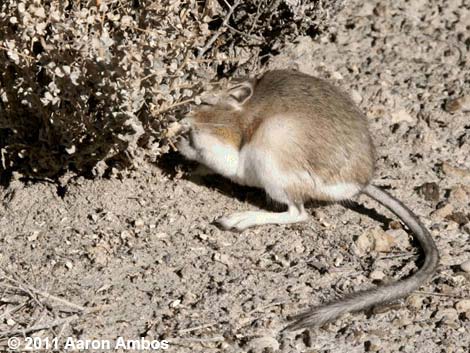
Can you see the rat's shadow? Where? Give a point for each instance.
(173, 163)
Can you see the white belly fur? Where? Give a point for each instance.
(252, 166)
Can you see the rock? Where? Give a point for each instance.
(459, 195)
(430, 191)
(462, 174)
(161, 235)
(263, 344)
(383, 242)
(415, 301)
(356, 96)
(98, 254)
(463, 306)
(376, 240)
(461, 104)
(458, 217)
(401, 238)
(401, 116)
(223, 258)
(139, 223)
(69, 264)
(175, 303)
(448, 316)
(374, 344)
(125, 234)
(34, 236)
(364, 243)
(465, 266)
(336, 75)
(377, 275)
(444, 211)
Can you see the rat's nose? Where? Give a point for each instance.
(185, 124)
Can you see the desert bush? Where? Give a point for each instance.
(89, 85)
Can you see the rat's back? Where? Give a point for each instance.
(312, 130)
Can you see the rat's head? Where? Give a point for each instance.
(222, 115)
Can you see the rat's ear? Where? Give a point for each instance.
(239, 94)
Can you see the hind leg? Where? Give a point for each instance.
(243, 220)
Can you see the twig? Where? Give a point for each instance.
(196, 328)
(220, 30)
(39, 327)
(17, 53)
(264, 307)
(439, 294)
(16, 308)
(30, 290)
(194, 339)
(59, 300)
(397, 255)
(250, 36)
(22, 288)
(163, 110)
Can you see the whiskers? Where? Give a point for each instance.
(211, 124)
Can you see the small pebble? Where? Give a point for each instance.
(463, 174)
(263, 344)
(356, 96)
(223, 258)
(336, 75)
(125, 235)
(383, 242)
(374, 344)
(401, 116)
(401, 238)
(459, 104)
(458, 217)
(430, 191)
(463, 306)
(139, 223)
(363, 243)
(448, 316)
(465, 266)
(377, 275)
(459, 194)
(444, 211)
(175, 303)
(415, 301)
(34, 236)
(161, 235)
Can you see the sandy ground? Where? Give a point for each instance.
(139, 257)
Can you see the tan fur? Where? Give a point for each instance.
(226, 125)
(321, 132)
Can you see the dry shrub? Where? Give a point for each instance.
(85, 85)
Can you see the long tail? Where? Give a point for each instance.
(382, 294)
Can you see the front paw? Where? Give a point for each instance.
(184, 147)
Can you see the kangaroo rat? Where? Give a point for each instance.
(298, 138)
